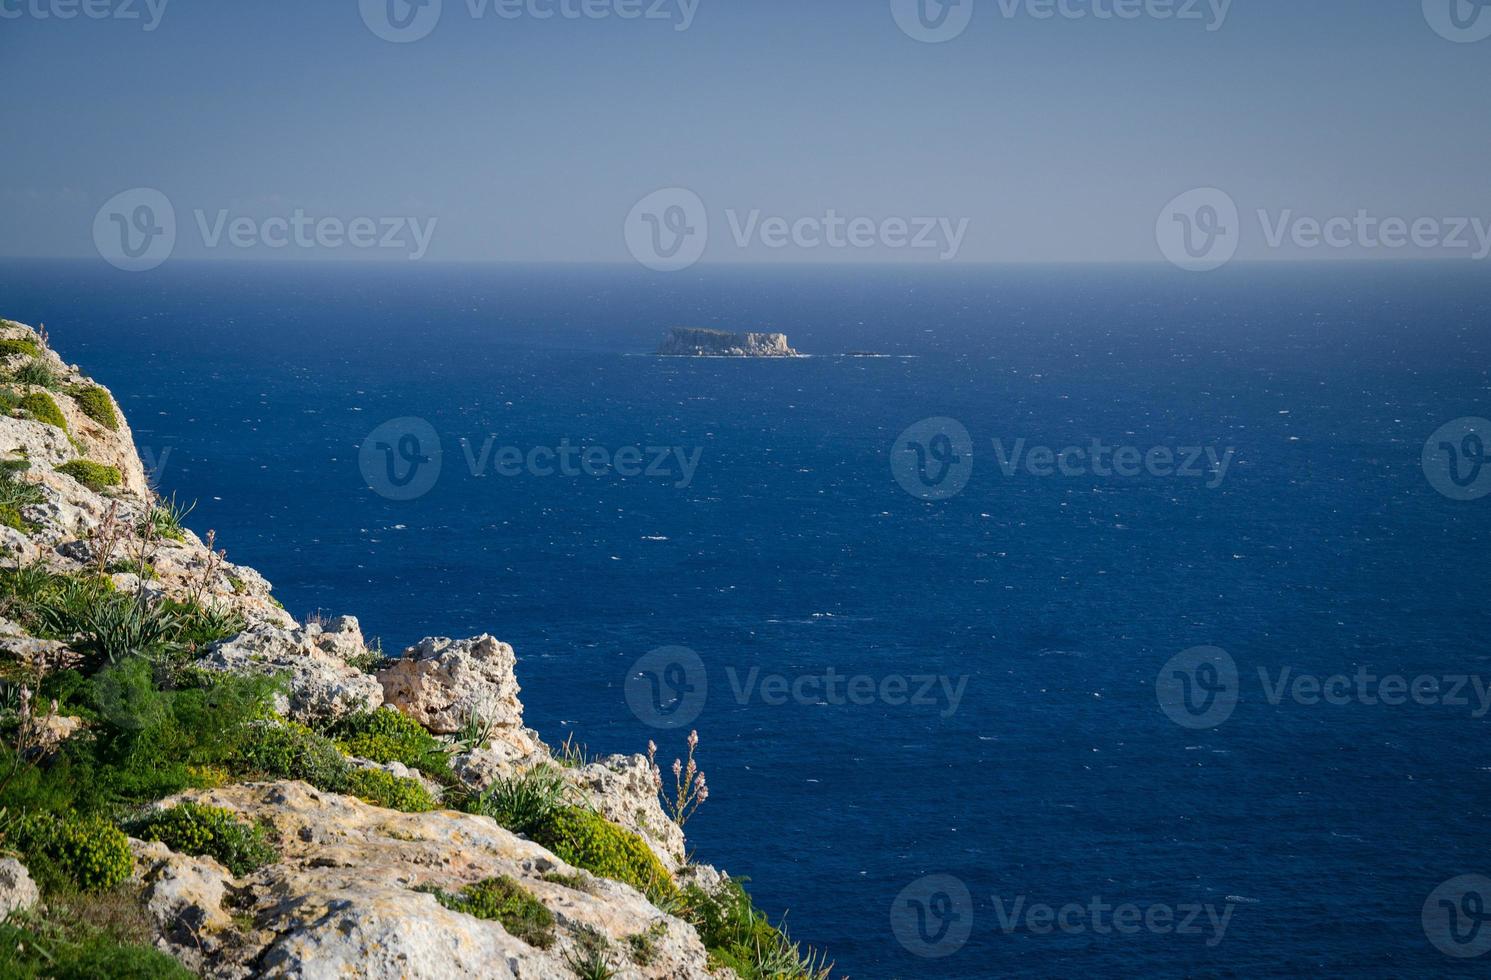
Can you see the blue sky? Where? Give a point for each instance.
(529, 139)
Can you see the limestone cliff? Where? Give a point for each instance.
(366, 858)
(700, 342)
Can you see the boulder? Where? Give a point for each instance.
(17, 891)
(323, 686)
(441, 683)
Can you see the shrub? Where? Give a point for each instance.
(738, 935)
(524, 803)
(290, 750)
(19, 345)
(95, 476)
(96, 404)
(382, 788)
(89, 851)
(505, 901)
(40, 406)
(388, 735)
(587, 840)
(192, 828)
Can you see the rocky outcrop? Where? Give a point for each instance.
(700, 342)
(443, 683)
(342, 897)
(323, 686)
(342, 900)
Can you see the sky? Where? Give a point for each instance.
(743, 130)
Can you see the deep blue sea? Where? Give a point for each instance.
(1054, 601)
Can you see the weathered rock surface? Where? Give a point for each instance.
(341, 901)
(323, 686)
(17, 891)
(701, 342)
(441, 683)
(623, 789)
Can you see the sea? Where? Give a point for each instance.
(1109, 621)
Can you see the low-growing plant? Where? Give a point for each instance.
(193, 828)
(165, 518)
(572, 755)
(96, 404)
(525, 802)
(476, 732)
(382, 788)
(284, 749)
(36, 372)
(591, 958)
(587, 840)
(370, 661)
(87, 851)
(19, 345)
(739, 936)
(66, 944)
(504, 900)
(97, 477)
(42, 407)
(388, 735)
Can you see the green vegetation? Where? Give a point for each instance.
(15, 494)
(739, 936)
(192, 828)
(382, 788)
(525, 802)
(642, 946)
(167, 519)
(35, 372)
(592, 959)
(85, 851)
(20, 345)
(388, 735)
(587, 840)
(96, 404)
(95, 476)
(42, 407)
(82, 937)
(506, 901)
(283, 749)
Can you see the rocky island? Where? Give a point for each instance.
(701, 342)
(195, 783)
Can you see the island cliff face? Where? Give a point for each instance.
(700, 342)
(375, 816)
